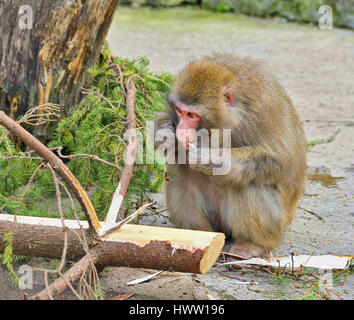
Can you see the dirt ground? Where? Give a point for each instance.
(317, 69)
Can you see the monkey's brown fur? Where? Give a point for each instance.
(257, 199)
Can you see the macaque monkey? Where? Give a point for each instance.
(257, 198)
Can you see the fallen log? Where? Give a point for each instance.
(131, 245)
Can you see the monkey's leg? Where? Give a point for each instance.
(186, 207)
(256, 218)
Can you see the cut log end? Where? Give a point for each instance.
(212, 253)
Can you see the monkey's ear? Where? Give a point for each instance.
(229, 94)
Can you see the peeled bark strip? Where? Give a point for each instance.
(131, 245)
(47, 60)
(127, 172)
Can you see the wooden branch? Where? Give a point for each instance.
(132, 245)
(128, 219)
(89, 156)
(58, 165)
(127, 172)
(70, 276)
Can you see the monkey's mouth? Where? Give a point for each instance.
(190, 145)
(189, 142)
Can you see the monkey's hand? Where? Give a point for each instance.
(237, 165)
(250, 163)
(164, 132)
(209, 161)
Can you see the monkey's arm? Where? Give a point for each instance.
(243, 165)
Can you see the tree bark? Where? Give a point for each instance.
(47, 60)
(131, 245)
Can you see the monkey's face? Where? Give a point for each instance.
(211, 114)
(188, 123)
(200, 99)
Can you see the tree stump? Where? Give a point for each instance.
(46, 48)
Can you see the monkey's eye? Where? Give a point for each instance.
(178, 111)
(191, 115)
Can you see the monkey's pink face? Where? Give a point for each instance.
(188, 122)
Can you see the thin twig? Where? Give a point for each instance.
(266, 291)
(311, 212)
(20, 157)
(233, 277)
(335, 293)
(47, 285)
(97, 186)
(30, 181)
(58, 195)
(60, 284)
(307, 292)
(85, 155)
(128, 219)
(41, 114)
(123, 296)
(326, 140)
(121, 79)
(127, 172)
(82, 239)
(70, 286)
(65, 246)
(232, 255)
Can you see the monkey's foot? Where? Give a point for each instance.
(247, 250)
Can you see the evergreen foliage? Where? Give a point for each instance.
(96, 127)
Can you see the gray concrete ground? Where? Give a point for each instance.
(317, 69)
